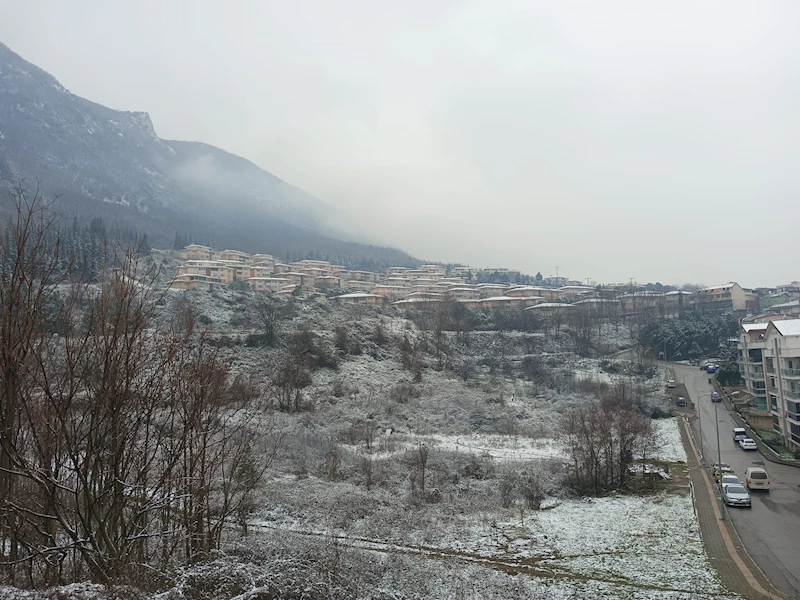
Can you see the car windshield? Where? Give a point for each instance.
(735, 489)
(730, 479)
(757, 475)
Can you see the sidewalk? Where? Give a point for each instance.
(736, 569)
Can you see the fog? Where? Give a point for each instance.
(615, 140)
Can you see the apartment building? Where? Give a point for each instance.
(391, 292)
(730, 298)
(188, 281)
(232, 255)
(360, 298)
(769, 361)
(328, 282)
(197, 252)
(462, 293)
(269, 284)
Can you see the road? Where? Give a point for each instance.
(770, 530)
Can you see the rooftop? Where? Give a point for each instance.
(787, 327)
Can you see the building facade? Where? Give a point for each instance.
(769, 362)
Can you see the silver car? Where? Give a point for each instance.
(735, 495)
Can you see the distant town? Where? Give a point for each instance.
(475, 288)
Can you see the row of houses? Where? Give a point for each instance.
(204, 268)
(769, 363)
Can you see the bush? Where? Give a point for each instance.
(403, 392)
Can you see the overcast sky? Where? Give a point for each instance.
(652, 140)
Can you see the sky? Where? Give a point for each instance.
(657, 141)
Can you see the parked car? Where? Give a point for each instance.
(715, 397)
(747, 444)
(729, 479)
(720, 469)
(756, 478)
(671, 383)
(736, 495)
(711, 368)
(739, 433)
(681, 401)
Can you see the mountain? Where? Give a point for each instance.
(112, 164)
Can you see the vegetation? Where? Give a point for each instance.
(689, 337)
(124, 446)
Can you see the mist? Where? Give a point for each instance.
(616, 140)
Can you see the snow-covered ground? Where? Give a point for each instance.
(623, 547)
(670, 443)
(504, 448)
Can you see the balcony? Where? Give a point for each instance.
(756, 370)
(793, 416)
(777, 427)
(796, 438)
(770, 368)
(791, 372)
(792, 394)
(756, 359)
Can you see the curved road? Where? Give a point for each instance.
(770, 531)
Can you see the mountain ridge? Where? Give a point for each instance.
(98, 158)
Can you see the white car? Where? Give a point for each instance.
(671, 383)
(729, 479)
(747, 444)
(756, 478)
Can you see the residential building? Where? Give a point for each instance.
(360, 298)
(730, 298)
(328, 282)
(462, 293)
(268, 284)
(391, 292)
(197, 252)
(232, 255)
(187, 281)
(787, 308)
(769, 354)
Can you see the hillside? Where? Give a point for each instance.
(112, 164)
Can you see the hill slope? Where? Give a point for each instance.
(109, 163)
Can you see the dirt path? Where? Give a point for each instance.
(538, 567)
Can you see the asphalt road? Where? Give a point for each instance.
(770, 530)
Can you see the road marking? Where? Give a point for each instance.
(743, 568)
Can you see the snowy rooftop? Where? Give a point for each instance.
(358, 295)
(790, 304)
(748, 327)
(718, 288)
(597, 301)
(788, 327)
(550, 305)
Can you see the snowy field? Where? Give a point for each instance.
(618, 547)
(669, 435)
(504, 448)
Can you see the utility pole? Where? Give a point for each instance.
(556, 271)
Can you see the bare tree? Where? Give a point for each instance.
(601, 440)
(267, 314)
(120, 447)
